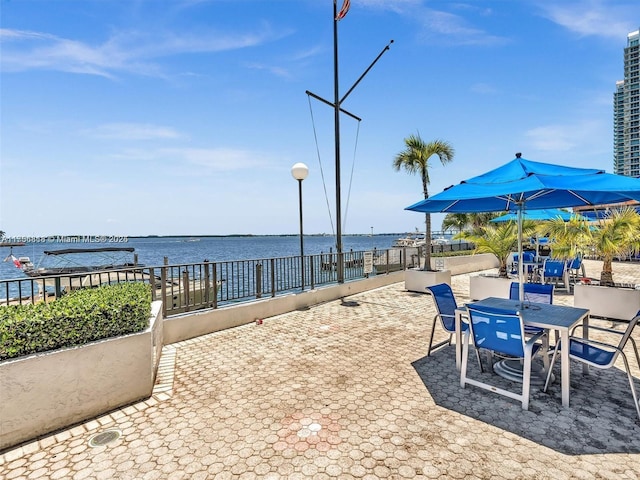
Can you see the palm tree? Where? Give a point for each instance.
(616, 235)
(467, 221)
(499, 239)
(455, 221)
(415, 159)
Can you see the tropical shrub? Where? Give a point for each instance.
(616, 235)
(78, 318)
(499, 239)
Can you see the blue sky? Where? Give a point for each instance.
(185, 117)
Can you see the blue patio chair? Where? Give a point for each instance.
(576, 270)
(528, 258)
(533, 292)
(554, 270)
(601, 354)
(502, 332)
(446, 306)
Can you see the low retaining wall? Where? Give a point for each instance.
(48, 391)
(467, 263)
(607, 302)
(481, 287)
(184, 327)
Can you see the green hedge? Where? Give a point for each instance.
(80, 317)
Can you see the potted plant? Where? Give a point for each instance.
(501, 240)
(415, 159)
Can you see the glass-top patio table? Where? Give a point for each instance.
(551, 317)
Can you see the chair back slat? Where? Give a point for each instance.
(554, 268)
(498, 330)
(533, 292)
(576, 263)
(445, 304)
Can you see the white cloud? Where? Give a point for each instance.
(277, 71)
(134, 131)
(129, 51)
(441, 25)
(484, 89)
(563, 138)
(594, 17)
(210, 159)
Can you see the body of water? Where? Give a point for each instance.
(152, 250)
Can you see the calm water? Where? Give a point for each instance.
(151, 251)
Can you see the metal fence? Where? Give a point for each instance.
(194, 286)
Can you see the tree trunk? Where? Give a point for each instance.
(502, 271)
(606, 276)
(427, 242)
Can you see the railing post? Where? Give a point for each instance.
(259, 280)
(207, 283)
(163, 290)
(152, 282)
(273, 277)
(214, 275)
(311, 272)
(185, 286)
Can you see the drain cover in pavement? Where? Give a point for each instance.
(104, 438)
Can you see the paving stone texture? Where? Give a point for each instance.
(344, 390)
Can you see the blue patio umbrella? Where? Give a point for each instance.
(539, 215)
(522, 184)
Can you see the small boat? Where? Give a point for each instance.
(83, 267)
(409, 241)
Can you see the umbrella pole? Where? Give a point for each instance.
(520, 259)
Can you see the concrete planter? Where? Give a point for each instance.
(607, 302)
(416, 280)
(467, 263)
(44, 392)
(481, 287)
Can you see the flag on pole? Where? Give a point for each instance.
(343, 11)
(15, 261)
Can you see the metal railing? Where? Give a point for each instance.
(194, 286)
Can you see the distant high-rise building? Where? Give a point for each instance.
(626, 112)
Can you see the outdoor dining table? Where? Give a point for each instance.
(547, 316)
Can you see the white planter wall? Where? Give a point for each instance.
(417, 280)
(608, 302)
(468, 263)
(481, 287)
(48, 391)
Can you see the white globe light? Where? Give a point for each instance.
(299, 171)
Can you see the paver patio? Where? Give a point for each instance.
(344, 390)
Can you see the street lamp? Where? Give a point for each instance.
(300, 171)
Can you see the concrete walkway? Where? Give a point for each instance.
(344, 390)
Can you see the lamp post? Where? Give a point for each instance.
(300, 171)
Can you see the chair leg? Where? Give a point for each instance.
(545, 356)
(553, 360)
(526, 380)
(633, 389)
(479, 360)
(465, 355)
(433, 330)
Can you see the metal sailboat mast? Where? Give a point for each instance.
(336, 104)
(336, 116)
